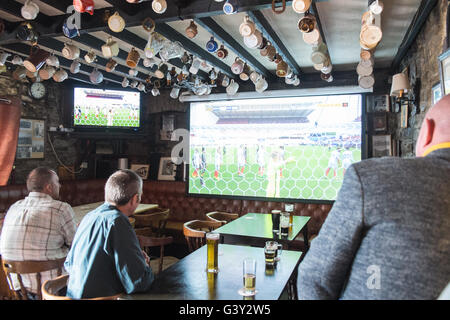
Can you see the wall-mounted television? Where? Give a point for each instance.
(106, 108)
(274, 148)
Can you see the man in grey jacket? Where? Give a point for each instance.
(388, 233)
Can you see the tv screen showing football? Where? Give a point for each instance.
(286, 148)
(106, 108)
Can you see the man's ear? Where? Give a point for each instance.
(429, 131)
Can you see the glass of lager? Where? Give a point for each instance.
(284, 223)
(272, 252)
(212, 243)
(249, 277)
(289, 208)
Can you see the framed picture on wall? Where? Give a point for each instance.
(444, 69)
(167, 169)
(379, 122)
(404, 116)
(141, 169)
(381, 145)
(30, 144)
(436, 93)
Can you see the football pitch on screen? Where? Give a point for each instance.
(305, 177)
(122, 118)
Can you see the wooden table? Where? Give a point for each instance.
(256, 228)
(188, 280)
(81, 211)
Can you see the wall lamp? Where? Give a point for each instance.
(400, 86)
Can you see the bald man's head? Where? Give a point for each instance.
(435, 127)
(44, 180)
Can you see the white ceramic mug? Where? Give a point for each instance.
(133, 72)
(232, 88)
(53, 61)
(70, 52)
(225, 81)
(3, 57)
(247, 28)
(141, 87)
(60, 75)
(195, 66)
(90, 57)
(159, 6)
(254, 76)
(313, 37)
(254, 40)
(125, 82)
(110, 48)
(301, 6)
(134, 84)
(148, 62)
(30, 10)
(261, 85)
(75, 67)
(17, 60)
(96, 76)
(175, 92)
(116, 23)
(155, 91)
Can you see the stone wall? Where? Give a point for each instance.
(48, 109)
(423, 66)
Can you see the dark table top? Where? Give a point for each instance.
(259, 226)
(188, 280)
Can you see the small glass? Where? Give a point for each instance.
(284, 224)
(272, 252)
(212, 243)
(249, 277)
(289, 208)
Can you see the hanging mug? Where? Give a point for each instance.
(232, 88)
(53, 61)
(238, 66)
(159, 6)
(111, 65)
(195, 66)
(307, 23)
(212, 45)
(133, 58)
(225, 81)
(281, 69)
(222, 53)
(277, 58)
(245, 74)
(191, 30)
(116, 23)
(70, 32)
(253, 40)
(75, 67)
(70, 51)
(47, 72)
(36, 59)
(60, 75)
(26, 32)
(162, 70)
(301, 6)
(30, 10)
(110, 48)
(125, 82)
(148, 62)
(254, 76)
(230, 7)
(17, 60)
(261, 85)
(247, 27)
(148, 24)
(133, 72)
(312, 37)
(84, 6)
(90, 57)
(20, 73)
(96, 76)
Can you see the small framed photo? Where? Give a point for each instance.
(167, 169)
(436, 93)
(141, 169)
(404, 115)
(381, 103)
(381, 145)
(379, 122)
(444, 70)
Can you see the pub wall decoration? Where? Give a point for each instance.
(31, 139)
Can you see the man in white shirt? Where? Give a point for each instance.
(38, 227)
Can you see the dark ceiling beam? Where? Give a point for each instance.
(264, 26)
(193, 9)
(414, 28)
(222, 36)
(137, 42)
(14, 8)
(24, 50)
(315, 12)
(61, 5)
(173, 35)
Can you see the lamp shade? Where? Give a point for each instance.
(400, 84)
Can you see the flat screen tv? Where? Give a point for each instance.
(277, 148)
(104, 108)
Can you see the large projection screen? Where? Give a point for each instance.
(278, 148)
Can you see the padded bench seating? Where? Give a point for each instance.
(172, 194)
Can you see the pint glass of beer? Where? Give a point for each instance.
(276, 220)
(272, 252)
(289, 208)
(249, 276)
(284, 224)
(212, 243)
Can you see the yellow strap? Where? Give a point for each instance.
(443, 145)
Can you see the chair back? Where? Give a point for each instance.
(156, 220)
(51, 290)
(30, 267)
(195, 232)
(223, 217)
(147, 242)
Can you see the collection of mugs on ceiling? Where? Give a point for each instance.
(369, 38)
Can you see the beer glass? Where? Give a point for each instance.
(289, 208)
(212, 243)
(275, 220)
(272, 252)
(249, 276)
(284, 223)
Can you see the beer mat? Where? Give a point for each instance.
(249, 218)
(242, 292)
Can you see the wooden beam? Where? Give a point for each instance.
(264, 26)
(221, 35)
(414, 28)
(61, 5)
(193, 48)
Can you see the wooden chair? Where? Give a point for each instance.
(28, 267)
(156, 220)
(223, 217)
(51, 290)
(147, 241)
(195, 232)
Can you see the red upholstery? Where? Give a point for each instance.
(170, 194)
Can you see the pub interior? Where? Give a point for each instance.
(244, 119)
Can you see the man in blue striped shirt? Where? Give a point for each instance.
(105, 258)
